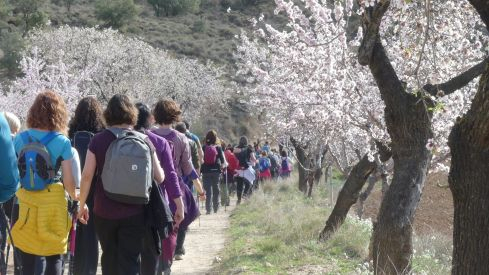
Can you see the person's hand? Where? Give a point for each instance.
(202, 196)
(82, 214)
(179, 215)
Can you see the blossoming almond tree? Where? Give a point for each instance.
(314, 59)
(85, 61)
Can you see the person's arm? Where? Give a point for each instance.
(158, 174)
(220, 153)
(67, 169)
(86, 183)
(170, 183)
(252, 158)
(9, 173)
(68, 178)
(199, 150)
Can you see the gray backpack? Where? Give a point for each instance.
(128, 169)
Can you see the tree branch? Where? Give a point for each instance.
(457, 82)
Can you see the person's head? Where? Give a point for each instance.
(13, 122)
(211, 137)
(120, 111)
(283, 153)
(243, 142)
(166, 112)
(181, 127)
(88, 117)
(187, 125)
(266, 142)
(263, 153)
(145, 118)
(48, 112)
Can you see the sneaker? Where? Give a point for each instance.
(178, 257)
(208, 212)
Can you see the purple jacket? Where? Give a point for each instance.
(163, 151)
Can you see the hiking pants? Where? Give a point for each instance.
(86, 248)
(211, 186)
(52, 265)
(182, 233)
(240, 183)
(122, 242)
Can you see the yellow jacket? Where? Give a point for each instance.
(43, 225)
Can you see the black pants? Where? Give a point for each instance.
(121, 241)
(86, 248)
(151, 262)
(211, 186)
(240, 183)
(30, 264)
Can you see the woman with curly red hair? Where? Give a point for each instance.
(43, 224)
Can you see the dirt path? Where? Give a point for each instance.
(203, 243)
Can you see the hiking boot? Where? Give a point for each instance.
(178, 257)
(208, 212)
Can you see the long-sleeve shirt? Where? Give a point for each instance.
(165, 156)
(9, 173)
(181, 152)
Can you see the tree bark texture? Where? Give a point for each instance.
(363, 197)
(469, 178)
(409, 125)
(347, 196)
(301, 158)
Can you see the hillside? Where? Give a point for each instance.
(206, 34)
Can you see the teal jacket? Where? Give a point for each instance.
(9, 173)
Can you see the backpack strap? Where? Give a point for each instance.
(118, 132)
(48, 138)
(26, 138)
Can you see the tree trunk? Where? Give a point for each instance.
(347, 196)
(469, 176)
(409, 125)
(363, 197)
(301, 158)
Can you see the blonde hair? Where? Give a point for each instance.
(13, 122)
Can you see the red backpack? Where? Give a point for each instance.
(210, 154)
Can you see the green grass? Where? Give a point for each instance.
(276, 232)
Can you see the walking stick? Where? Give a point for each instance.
(227, 190)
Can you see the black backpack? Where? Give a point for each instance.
(80, 142)
(244, 157)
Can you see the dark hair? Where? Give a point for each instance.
(243, 142)
(143, 117)
(187, 125)
(166, 112)
(283, 153)
(120, 110)
(48, 112)
(181, 127)
(88, 117)
(211, 137)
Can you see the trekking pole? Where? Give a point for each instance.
(10, 224)
(227, 190)
(71, 266)
(16, 256)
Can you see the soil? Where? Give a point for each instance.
(203, 243)
(434, 213)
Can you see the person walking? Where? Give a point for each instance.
(86, 123)
(170, 188)
(285, 165)
(233, 165)
(211, 170)
(194, 152)
(264, 165)
(245, 174)
(43, 224)
(166, 113)
(9, 174)
(119, 224)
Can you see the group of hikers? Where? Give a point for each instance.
(122, 177)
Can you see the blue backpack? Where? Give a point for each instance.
(264, 164)
(35, 166)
